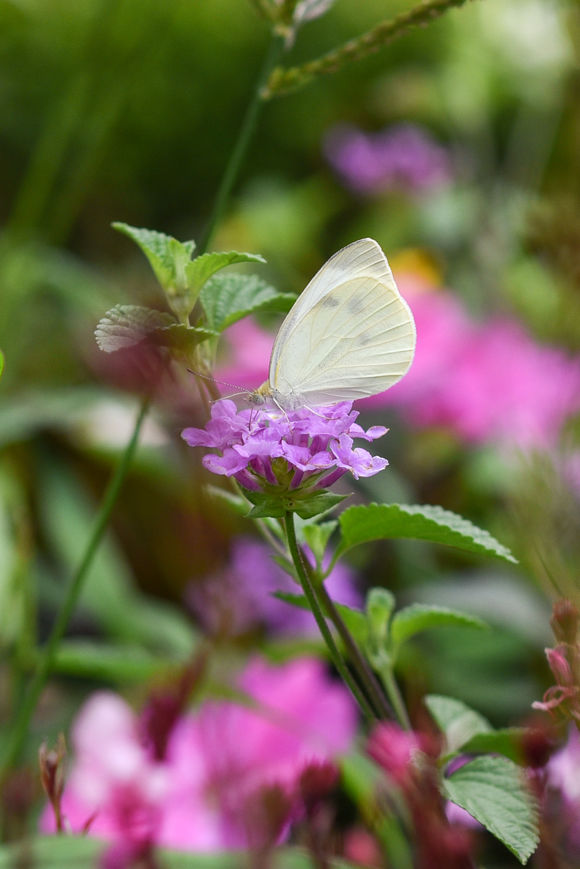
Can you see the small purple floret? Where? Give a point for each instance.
(315, 444)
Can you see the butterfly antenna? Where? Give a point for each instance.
(239, 390)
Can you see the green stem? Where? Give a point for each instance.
(283, 80)
(394, 695)
(358, 660)
(310, 595)
(21, 722)
(239, 152)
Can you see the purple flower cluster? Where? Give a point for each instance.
(239, 597)
(269, 449)
(402, 157)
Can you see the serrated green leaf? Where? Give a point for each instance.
(493, 790)
(201, 269)
(422, 617)
(457, 721)
(506, 741)
(362, 524)
(166, 254)
(228, 298)
(125, 326)
(317, 535)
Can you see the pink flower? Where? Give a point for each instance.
(230, 774)
(114, 789)
(221, 758)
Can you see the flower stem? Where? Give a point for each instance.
(310, 595)
(365, 673)
(22, 719)
(240, 148)
(394, 695)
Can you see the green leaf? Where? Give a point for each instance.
(166, 254)
(362, 524)
(228, 298)
(1, 363)
(201, 269)
(317, 535)
(421, 617)
(458, 722)
(125, 326)
(506, 741)
(493, 790)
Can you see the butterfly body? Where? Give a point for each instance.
(349, 335)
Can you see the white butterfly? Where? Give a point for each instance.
(349, 335)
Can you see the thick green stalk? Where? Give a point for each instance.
(239, 152)
(22, 719)
(310, 595)
(358, 660)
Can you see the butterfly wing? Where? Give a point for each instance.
(349, 335)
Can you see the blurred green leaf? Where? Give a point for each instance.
(82, 852)
(125, 326)
(110, 663)
(421, 617)
(1, 363)
(228, 298)
(506, 741)
(108, 593)
(494, 791)
(362, 524)
(21, 416)
(457, 721)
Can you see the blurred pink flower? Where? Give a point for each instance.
(219, 760)
(239, 597)
(402, 157)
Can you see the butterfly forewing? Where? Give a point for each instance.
(357, 340)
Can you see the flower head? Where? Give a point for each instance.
(269, 449)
